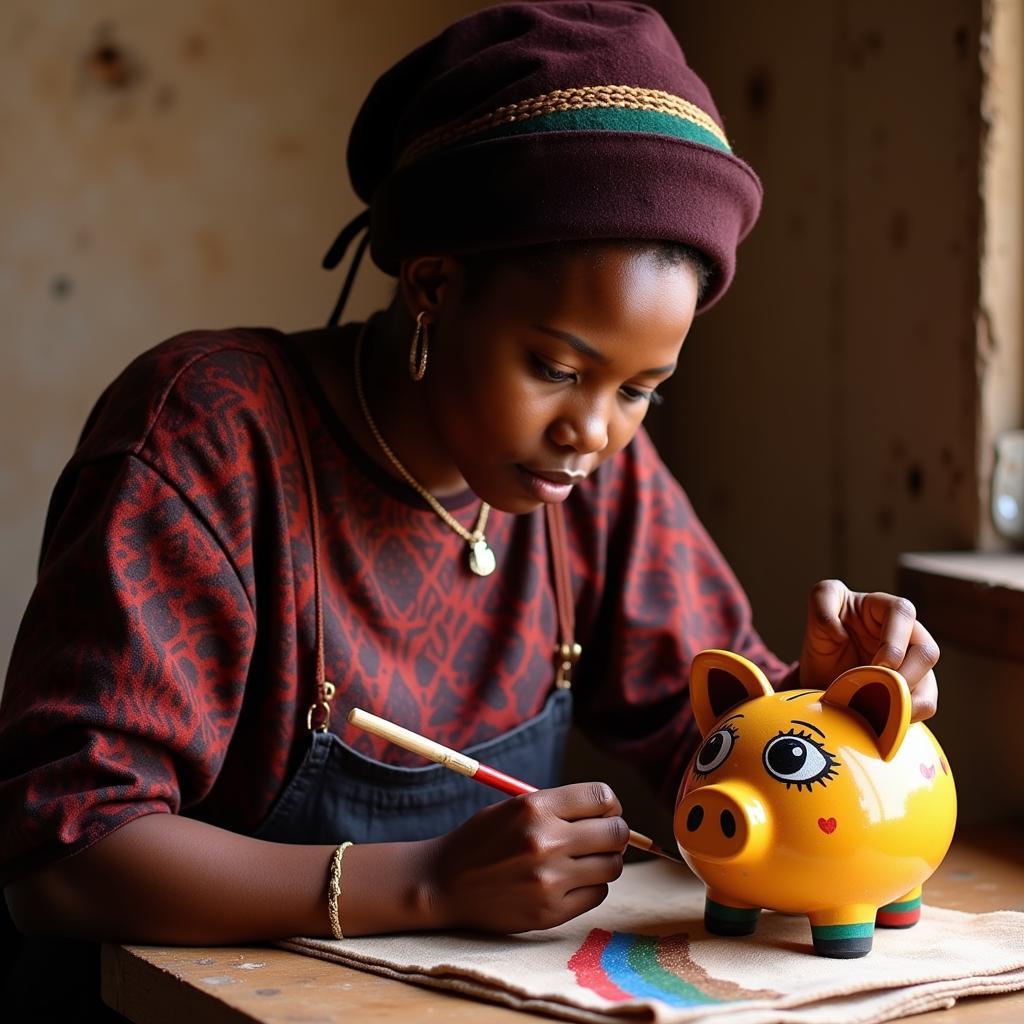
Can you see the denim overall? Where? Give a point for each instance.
(339, 794)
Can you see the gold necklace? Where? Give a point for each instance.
(481, 557)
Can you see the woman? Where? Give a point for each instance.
(424, 516)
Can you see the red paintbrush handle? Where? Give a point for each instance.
(514, 787)
(499, 780)
(467, 766)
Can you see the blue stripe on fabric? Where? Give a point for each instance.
(615, 963)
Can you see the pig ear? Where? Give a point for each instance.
(719, 680)
(881, 697)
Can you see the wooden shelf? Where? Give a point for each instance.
(970, 598)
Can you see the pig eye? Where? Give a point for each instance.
(715, 749)
(798, 760)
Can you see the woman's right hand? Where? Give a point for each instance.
(531, 861)
(527, 862)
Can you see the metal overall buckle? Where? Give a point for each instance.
(321, 710)
(568, 655)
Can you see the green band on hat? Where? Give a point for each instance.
(607, 119)
(612, 108)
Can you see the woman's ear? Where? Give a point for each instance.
(424, 283)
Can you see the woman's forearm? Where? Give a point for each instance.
(532, 861)
(168, 879)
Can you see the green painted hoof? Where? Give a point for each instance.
(843, 941)
(722, 920)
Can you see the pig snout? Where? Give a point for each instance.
(725, 822)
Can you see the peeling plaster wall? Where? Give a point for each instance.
(983, 698)
(176, 166)
(839, 406)
(825, 417)
(165, 167)
(1001, 316)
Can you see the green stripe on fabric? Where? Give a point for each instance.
(643, 958)
(731, 913)
(603, 119)
(843, 931)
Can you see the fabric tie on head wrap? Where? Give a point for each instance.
(527, 123)
(336, 254)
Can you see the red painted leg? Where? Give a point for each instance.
(902, 913)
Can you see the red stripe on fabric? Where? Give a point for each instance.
(585, 963)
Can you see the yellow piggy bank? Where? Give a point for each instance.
(825, 803)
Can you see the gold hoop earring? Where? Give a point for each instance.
(418, 349)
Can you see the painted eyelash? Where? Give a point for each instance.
(823, 779)
(733, 732)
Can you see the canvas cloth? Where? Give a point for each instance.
(644, 955)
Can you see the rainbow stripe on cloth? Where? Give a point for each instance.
(619, 966)
(643, 954)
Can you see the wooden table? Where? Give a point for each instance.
(983, 871)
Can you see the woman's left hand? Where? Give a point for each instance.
(846, 629)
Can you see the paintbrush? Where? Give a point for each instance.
(468, 766)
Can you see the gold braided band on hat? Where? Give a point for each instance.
(672, 116)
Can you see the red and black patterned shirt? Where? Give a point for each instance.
(165, 661)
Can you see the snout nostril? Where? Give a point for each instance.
(694, 818)
(728, 824)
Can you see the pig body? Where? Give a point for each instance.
(825, 803)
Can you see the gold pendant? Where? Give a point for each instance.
(481, 558)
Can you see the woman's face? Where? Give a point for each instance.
(542, 376)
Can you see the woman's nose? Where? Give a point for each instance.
(584, 429)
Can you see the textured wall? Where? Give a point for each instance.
(164, 167)
(838, 407)
(1001, 315)
(172, 166)
(825, 418)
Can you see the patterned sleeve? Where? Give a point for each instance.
(126, 678)
(667, 593)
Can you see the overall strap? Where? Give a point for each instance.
(319, 715)
(567, 651)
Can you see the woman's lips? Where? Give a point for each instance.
(549, 485)
(558, 476)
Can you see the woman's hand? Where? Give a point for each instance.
(528, 862)
(846, 629)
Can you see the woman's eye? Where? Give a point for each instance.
(797, 760)
(636, 395)
(714, 750)
(547, 372)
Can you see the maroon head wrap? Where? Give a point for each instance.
(541, 122)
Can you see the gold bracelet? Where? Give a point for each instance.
(334, 890)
